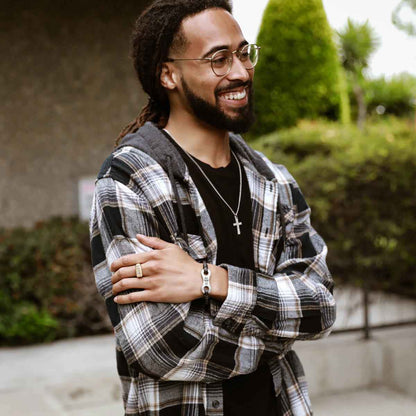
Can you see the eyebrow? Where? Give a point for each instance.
(221, 47)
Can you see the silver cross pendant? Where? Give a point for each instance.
(237, 224)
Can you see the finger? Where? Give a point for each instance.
(148, 269)
(153, 242)
(125, 261)
(133, 297)
(131, 283)
(123, 273)
(130, 260)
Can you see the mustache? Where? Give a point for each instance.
(233, 85)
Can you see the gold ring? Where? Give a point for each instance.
(139, 271)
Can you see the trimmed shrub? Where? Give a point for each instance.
(299, 74)
(47, 288)
(361, 188)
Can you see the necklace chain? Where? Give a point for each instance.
(235, 213)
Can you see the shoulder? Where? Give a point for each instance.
(259, 162)
(280, 172)
(288, 187)
(126, 163)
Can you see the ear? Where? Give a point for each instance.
(168, 76)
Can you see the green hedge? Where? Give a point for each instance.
(47, 288)
(299, 74)
(361, 188)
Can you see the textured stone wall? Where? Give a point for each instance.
(67, 87)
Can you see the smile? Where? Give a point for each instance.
(235, 95)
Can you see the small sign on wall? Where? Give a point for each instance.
(86, 187)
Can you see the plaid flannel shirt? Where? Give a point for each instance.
(172, 358)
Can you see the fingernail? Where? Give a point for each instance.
(115, 299)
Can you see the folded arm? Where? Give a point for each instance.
(170, 341)
(168, 274)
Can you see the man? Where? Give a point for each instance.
(202, 248)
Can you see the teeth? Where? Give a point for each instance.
(235, 95)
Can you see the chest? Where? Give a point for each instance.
(184, 208)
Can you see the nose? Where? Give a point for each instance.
(239, 71)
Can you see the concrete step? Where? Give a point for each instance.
(346, 362)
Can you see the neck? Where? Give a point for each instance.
(206, 143)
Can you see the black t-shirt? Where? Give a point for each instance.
(251, 394)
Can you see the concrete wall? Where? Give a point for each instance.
(67, 87)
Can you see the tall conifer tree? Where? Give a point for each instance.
(299, 74)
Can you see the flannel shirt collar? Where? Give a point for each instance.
(153, 142)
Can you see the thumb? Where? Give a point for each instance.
(153, 242)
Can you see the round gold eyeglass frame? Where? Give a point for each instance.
(222, 60)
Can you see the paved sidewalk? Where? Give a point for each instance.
(78, 378)
(375, 402)
(66, 378)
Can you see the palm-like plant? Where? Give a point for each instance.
(357, 42)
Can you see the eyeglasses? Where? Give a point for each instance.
(222, 60)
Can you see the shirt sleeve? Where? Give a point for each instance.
(296, 302)
(163, 340)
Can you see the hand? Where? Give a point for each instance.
(169, 274)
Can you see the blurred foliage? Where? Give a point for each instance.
(361, 188)
(357, 42)
(396, 95)
(47, 288)
(298, 74)
(407, 25)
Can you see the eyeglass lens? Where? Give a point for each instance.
(222, 60)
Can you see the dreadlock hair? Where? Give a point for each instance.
(156, 31)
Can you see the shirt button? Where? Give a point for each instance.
(215, 404)
(228, 323)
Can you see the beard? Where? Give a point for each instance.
(215, 116)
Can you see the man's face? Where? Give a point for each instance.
(215, 115)
(223, 102)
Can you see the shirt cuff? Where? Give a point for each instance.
(240, 301)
